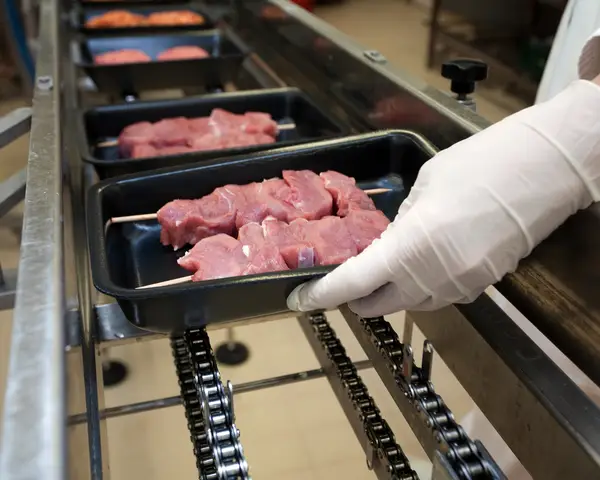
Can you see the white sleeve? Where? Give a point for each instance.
(589, 60)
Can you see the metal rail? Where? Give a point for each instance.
(33, 440)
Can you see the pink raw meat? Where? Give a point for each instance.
(219, 131)
(249, 206)
(259, 122)
(232, 139)
(346, 194)
(174, 150)
(263, 255)
(199, 126)
(365, 226)
(119, 57)
(171, 132)
(183, 52)
(189, 221)
(136, 134)
(224, 123)
(276, 195)
(256, 201)
(143, 151)
(294, 247)
(219, 256)
(242, 139)
(308, 194)
(331, 241)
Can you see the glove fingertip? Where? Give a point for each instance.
(294, 299)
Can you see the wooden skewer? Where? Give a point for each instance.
(114, 143)
(152, 216)
(166, 283)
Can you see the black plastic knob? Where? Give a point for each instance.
(464, 73)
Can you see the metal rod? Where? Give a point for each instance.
(167, 402)
(230, 337)
(14, 125)
(12, 191)
(34, 418)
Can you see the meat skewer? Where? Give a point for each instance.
(114, 143)
(154, 216)
(274, 245)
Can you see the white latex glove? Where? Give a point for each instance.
(475, 210)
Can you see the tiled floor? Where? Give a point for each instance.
(292, 432)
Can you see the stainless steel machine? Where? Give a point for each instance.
(54, 410)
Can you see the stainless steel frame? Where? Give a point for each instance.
(33, 440)
(54, 399)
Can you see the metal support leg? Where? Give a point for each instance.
(232, 352)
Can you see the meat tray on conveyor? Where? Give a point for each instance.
(285, 105)
(130, 255)
(129, 78)
(82, 14)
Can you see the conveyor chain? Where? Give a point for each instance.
(380, 435)
(462, 454)
(209, 409)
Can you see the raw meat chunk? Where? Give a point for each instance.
(275, 194)
(174, 150)
(259, 122)
(256, 201)
(365, 226)
(346, 194)
(294, 247)
(119, 57)
(248, 204)
(116, 19)
(219, 256)
(224, 122)
(263, 255)
(171, 132)
(305, 243)
(174, 18)
(211, 141)
(183, 52)
(199, 126)
(140, 133)
(143, 151)
(308, 194)
(331, 241)
(189, 221)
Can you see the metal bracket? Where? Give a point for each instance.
(375, 57)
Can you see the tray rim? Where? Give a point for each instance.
(99, 261)
(87, 156)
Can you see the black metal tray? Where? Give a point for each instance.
(81, 14)
(130, 255)
(285, 105)
(221, 67)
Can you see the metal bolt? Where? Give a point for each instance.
(45, 82)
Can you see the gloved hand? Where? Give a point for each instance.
(475, 210)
